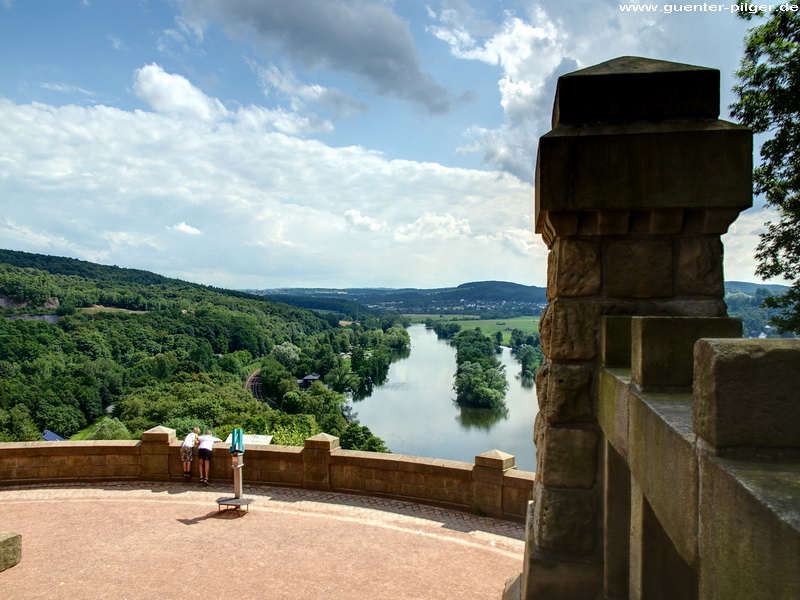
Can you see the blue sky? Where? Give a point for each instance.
(275, 143)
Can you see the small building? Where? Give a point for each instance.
(306, 381)
(49, 436)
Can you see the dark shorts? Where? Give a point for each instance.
(204, 454)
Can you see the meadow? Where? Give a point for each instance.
(488, 326)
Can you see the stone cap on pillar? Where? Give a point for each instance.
(158, 434)
(636, 148)
(496, 459)
(632, 88)
(322, 441)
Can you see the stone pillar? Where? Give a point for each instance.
(155, 453)
(635, 184)
(487, 481)
(317, 460)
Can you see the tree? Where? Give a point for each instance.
(287, 354)
(359, 437)
(110, 429)
(769, 103)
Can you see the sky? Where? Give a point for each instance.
(309, 143)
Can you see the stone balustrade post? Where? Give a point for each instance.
(487, 481)
(317, 459)
(635, 184)
(155, 451)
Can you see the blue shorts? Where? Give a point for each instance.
(204, 454)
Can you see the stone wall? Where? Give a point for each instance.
(491, 486)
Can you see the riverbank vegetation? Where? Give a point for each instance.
(145, 350)
(480, 379)
(521, 334)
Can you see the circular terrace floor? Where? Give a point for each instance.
(169, 540)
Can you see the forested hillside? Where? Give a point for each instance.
(488, 299)
(149, 351)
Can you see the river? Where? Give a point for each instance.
(414, 411)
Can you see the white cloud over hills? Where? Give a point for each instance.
(307, 143)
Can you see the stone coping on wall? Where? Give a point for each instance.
(492, 485)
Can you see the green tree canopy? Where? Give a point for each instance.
(769, 103)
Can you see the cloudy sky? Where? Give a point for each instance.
(275, 143)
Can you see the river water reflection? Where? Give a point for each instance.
(415, 414)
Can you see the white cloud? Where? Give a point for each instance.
(182, 227)
(741, 242)
(68, 89)
(431, 226)
(359, 221)
(549, 38)
(116, 42)
(274, 209)
(300, 95)
(175, 95)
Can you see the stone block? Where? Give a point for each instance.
(517, 492)
(488, 497)
(563, 392)
(415, 464)
(495, 459)
(159, 434)
(573, 269)
(311, 456)
(322, 441)
(569, 326)
(157, 448)
(156, 466)
(487, 475)
(709, 220)
(664, 221)
(545, 578)
(616, 523)
(557, 224)
(565, 521)
(643, 166)
(316, 476)
(746, 393)
(638, 268)
(663, 460)
(696, 307)
(699, 267)
(10, 549)
(613, 399)
(750, 529)
(615, 341)
(568, 458)
(632, 88)
(662, 348)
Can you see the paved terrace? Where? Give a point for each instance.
(168, 540)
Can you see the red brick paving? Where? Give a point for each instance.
(154, 540)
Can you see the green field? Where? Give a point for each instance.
(488, 326)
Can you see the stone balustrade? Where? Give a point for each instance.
(491, 486)
(701, 480)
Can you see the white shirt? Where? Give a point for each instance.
(190, 439)
(207, 441)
